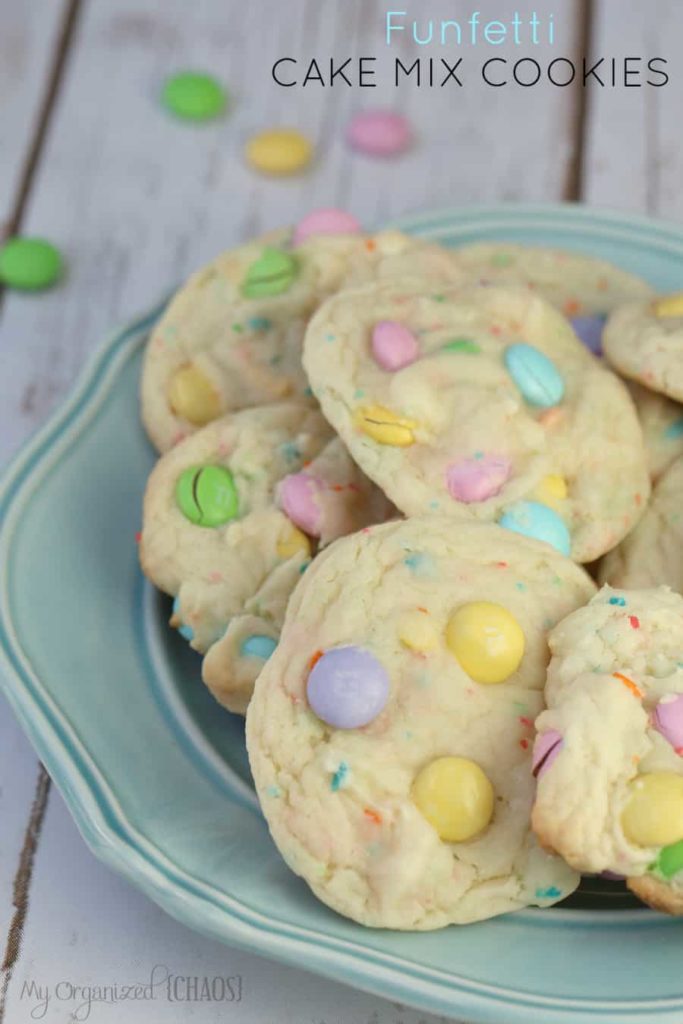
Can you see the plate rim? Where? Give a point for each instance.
(92, 802)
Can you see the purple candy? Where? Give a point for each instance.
(546, 748)
(668, 720)
(589, 330)
(347, 687)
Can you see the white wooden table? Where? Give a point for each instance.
(137, 200)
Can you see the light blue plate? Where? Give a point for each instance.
(155, 773)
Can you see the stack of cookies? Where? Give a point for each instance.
(383, 465)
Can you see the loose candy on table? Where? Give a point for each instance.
(589, 330)
(477, 479)
(347, 687)
(546, 748)
(193, 397)
(384, 426)
(273, 273)
(455, 796)
(532, 519)
(379, 133)
(194, 96)
(280, 151)
(669, 306)
(326, 221)
(207, 495)
(668, 720)
(536, 376)
(258, 646)
(653, 815)
(30, 264)
(487, 641)
(393, 345)
(299, 496)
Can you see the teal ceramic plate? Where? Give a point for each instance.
(155, 773)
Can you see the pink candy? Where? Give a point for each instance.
(546, 748)
(668, 720)
(379, 133)
(326, 221)
(393, 345)
(477, 479)
(298, 494)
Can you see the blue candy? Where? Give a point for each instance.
(347, 687)
(186, 632)
(532, 519)
(258, 646)
(536, 376)
(589, 329)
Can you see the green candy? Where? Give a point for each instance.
(194, 96)
(462, 345)
(670, 860)
(271, 274)
(207, 495)
(30, 264)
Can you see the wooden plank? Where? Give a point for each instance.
(634, 152)
(89, 927)
(29, 33)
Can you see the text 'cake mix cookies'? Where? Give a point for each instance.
(480, 403)
(232, 516)
(390, 734)
(231, 337)
(609, 751)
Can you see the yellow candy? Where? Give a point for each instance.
(487, 641)
(654, 812)
(193, 397)
(384, 426)
(455, 797)
(281, 151)
(417, 632)
(293, 542)
(671, 305)
(551, 490)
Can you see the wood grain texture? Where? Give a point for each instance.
(634, 152)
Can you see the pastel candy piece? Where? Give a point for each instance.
(299, 495)
(384, 426)
(668, 720)
(258, 646)
(466, 345)
(193, 397)
(194, 96)
(379, 133)
(552, 490)
(487, 641)
(394, 345)
(546, 748)
(326, 221)
(347, 687)
(272, 273)
(669, 306)
(670, 860)
(30, 264)
(538, 379)
(207, 495)
(653, 814)
(293, 542)
(532, 519)
(589, 330)
(186, 632)
(279, 151)
(455, 796)
(477, 479)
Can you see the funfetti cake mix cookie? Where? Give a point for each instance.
(480, 403)
(582, 287)
(652, 554)
(662, 421)
(609, 750)
(390, 734)
(644, 341)
(232, 516)
(231, 338)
